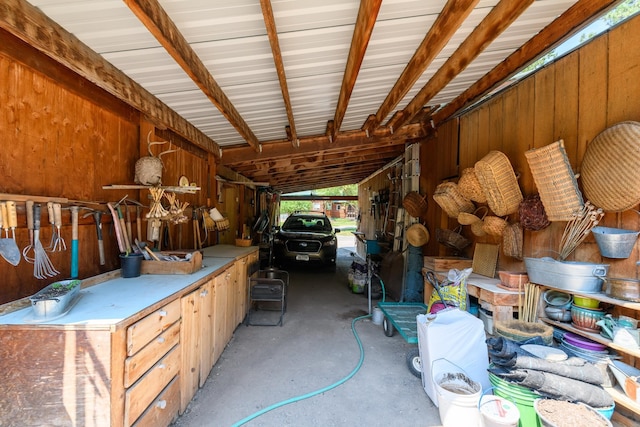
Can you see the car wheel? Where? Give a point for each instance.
(388, 328)
(414, 363)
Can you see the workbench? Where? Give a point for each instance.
(501, 302)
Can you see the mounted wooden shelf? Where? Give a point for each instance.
(173, 189)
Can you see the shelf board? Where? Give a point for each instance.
(622, 399)
(172, 189)
(602, 297)
(592, 336)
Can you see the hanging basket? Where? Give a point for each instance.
(470, 187)
(499, 182)
(556, 181)
(477, 228)
(452, 238)
(448, 197)
(415, 204)
(512, 240)
(494, 226)
(532, 214)
(466, 218)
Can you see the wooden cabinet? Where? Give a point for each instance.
(617, 307)
(153, 360)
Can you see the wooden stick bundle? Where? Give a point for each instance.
(578, 228)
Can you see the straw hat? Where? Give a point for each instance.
(417, 235)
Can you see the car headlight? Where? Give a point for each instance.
(331, 242)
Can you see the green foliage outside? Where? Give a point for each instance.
(290, 206)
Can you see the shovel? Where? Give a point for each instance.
(8, 247)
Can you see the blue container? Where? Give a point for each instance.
(373, 247)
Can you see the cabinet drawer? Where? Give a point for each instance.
(139, 363)
(164, 408)
(144, 330)
(142, 393)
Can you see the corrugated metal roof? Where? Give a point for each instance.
(231, 40)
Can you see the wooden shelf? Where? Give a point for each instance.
(172, 189)
(622, 399)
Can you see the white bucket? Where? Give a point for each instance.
(458, 397)
(377, 316)
(496, 411)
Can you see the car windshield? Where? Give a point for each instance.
(307, 223)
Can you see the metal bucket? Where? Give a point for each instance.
(615, 242)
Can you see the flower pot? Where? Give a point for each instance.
(130, 265)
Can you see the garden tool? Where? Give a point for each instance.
(29, 247)
(58, 242)
(8, 247)
(74, 241)
(52, 221)
(97, 217)
(42, 267)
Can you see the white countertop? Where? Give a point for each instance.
(108, 303)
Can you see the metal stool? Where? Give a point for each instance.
(269, 286)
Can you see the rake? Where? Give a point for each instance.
(42, 267)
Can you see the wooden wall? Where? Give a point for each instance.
(572, 99)
(63, 137)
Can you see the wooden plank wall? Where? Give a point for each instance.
(573, 99)
(63, 137)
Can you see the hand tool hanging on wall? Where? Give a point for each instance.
(116, 227)
(8, 247)
(29, 247)
(13, 223)
(42, 267)
(97, 217)
(128, 217)
(52, 221)
(74, 241)
(58, 242)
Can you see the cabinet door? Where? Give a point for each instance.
(241, 290)
(207, 328)
(220, 313)
(190, 337)
(232, 303)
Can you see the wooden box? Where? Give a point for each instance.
(173, 267)
(435, 263)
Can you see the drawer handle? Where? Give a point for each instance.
(161, 366)
(204, 293)
(162, 313)
(160, 340)
(161, 404)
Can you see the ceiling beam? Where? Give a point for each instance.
(272, 32)
(160, 25)
(576, 16)
(501, 16)
(312, 144)
(445, 26)
(30, 25)
(367, 15)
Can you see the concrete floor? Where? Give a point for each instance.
(315, 348)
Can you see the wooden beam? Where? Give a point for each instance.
(272, 32)
(573, 18)
(367, 15)
(158, 22)
(30, 25)
(501, 16)
(447, 23)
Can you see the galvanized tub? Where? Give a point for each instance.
(54, 300)
(615, 242)
(572, 276)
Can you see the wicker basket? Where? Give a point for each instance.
(222, 224)
(499, 182)
(512, 240)
(415, 204)
(470, 187)
(532, 214)
(466, 218)
(448, 197)
(477, 228)
(243, 242)
(493, 225)
(556, 181)
(610, 168)
(452, 239)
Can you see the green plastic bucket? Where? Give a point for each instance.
(522, 396)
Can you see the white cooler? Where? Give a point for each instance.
(458, 337)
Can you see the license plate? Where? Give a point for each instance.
(302, 257)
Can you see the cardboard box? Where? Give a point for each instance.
(173, 267)
(434, 263)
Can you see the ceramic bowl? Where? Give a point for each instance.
(586, 302)
(557, 313)
(585, 318)
(557, 299)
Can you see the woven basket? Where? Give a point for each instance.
(414, 204)
(512, 240)
(477, 228)
(556, 181)
(452, 239)
(470, 187)
(493, 225)
(222, 224)
(466, 218)
(610, 168)
(532, 214)
(499, 182)
(448, 197)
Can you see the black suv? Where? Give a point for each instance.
(306, 238)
